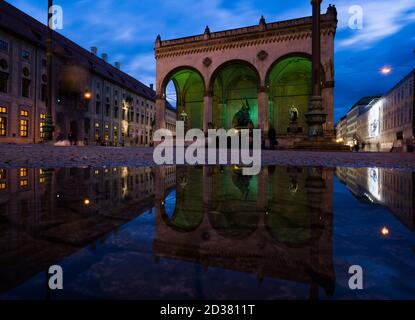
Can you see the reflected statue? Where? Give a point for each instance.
(242, 118)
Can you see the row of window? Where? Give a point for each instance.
(4, 46)
(23, 123)
(25, 87)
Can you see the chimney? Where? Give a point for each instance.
(94, 50)
(105, 57)
(151, 86)
(117, 65)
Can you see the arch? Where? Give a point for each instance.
(190, 90)
(233, 210)
(183, 206)
(171, 73)
(234, 86)
(229, 63)
(292, 55)
(288, 81)
(289, 217)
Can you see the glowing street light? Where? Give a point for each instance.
(385, 231)
(87, 202)
(87, 95)
(386, 70)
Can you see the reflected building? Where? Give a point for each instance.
(47, 215)
(277, 224)
(392, 189)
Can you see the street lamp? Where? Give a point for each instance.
(49, 127)
(87, 94)
(385, 70)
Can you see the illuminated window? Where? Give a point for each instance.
(97, 125)
(42, 180)
(23, 172)
(24, 183)
(3, 174)
(24, 130)
(42, 130)
(24, 113)
(3, 186)
(107, 136)
(42, 116)
(3, 126)
(3, 110)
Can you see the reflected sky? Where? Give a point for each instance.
(207, 233)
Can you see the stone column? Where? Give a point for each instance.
(316, 116)
(207, 110)
(263, 123)
(160, 111)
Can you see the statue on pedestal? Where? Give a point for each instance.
(242, 118)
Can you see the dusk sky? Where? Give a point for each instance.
(126, 30)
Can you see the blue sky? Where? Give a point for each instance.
(126, 30)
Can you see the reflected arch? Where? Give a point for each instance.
(183, 208)
(233, 211)
(234, 86)
(189, 86)
(289, 88)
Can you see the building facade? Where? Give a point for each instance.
(341, 130)
(391, 189)
(94, 102)
(385, 123)
(262, 72)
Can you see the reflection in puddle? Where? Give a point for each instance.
(201, 232)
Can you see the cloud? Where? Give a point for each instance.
(381, 19)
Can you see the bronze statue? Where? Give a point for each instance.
(242, 118)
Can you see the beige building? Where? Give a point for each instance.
(397, 122)
(384, 123)
(262, 72)
(341, 130)
(93, 101)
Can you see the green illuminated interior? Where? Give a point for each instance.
(288, 218)
(188, 211)
(289, 85)
(234, 203)
(189, 95)
(234, 85)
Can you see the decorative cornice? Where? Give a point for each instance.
(297, 29)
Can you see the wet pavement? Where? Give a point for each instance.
(207, 232)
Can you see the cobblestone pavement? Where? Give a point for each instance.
(45, 156)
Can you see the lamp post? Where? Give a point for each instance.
(316, 116)
(49, 127)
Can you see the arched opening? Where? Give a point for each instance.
(184, 89)
(289, 83)
(289, 219)
(235, 95)
(183, 206)
(233, 212)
